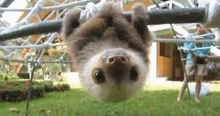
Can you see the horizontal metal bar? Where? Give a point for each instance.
(31, 61)
(183, 41)
(50, 8)
(160, 16)
(32, 46)
(32, 29)
(29, 9)
(210, 57)
(178, 15)
(15, 9)
(6, 3)
(41, 46)
(63, 61)
(183, 48)
(198, 37)
(181, 15)
(68, 5)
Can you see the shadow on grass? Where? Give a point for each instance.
(76, 102)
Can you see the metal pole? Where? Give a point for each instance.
(5, 4)
(30, 87)
(178, 15)
(160, 16)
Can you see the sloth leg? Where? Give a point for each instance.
(96, 26)
(70, 21)
(140, 19)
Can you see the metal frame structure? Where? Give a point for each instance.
(23, 30)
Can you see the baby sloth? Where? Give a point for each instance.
(110, 53)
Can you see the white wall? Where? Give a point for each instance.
(153, 62)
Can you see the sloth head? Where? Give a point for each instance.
(114, 74)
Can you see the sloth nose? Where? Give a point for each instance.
(117, 59)
(117, 64)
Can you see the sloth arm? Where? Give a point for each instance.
(140, 19)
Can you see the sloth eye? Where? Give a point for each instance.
(134, 74)
(98, 76)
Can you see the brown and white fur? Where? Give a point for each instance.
(110, 53)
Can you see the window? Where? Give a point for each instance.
(165, 50)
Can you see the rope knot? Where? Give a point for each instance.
(91, 9)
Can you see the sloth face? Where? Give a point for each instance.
(114, 75)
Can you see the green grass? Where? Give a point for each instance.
(154, 100)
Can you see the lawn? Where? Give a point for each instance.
(154, 100)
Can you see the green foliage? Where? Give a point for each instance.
(17, 90)
(55, 67)
(8, 76)
(22, 84)
(23, 75)
(50, 67)
(24, 68)
(38, 72)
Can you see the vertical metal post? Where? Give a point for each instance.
(31, 74)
